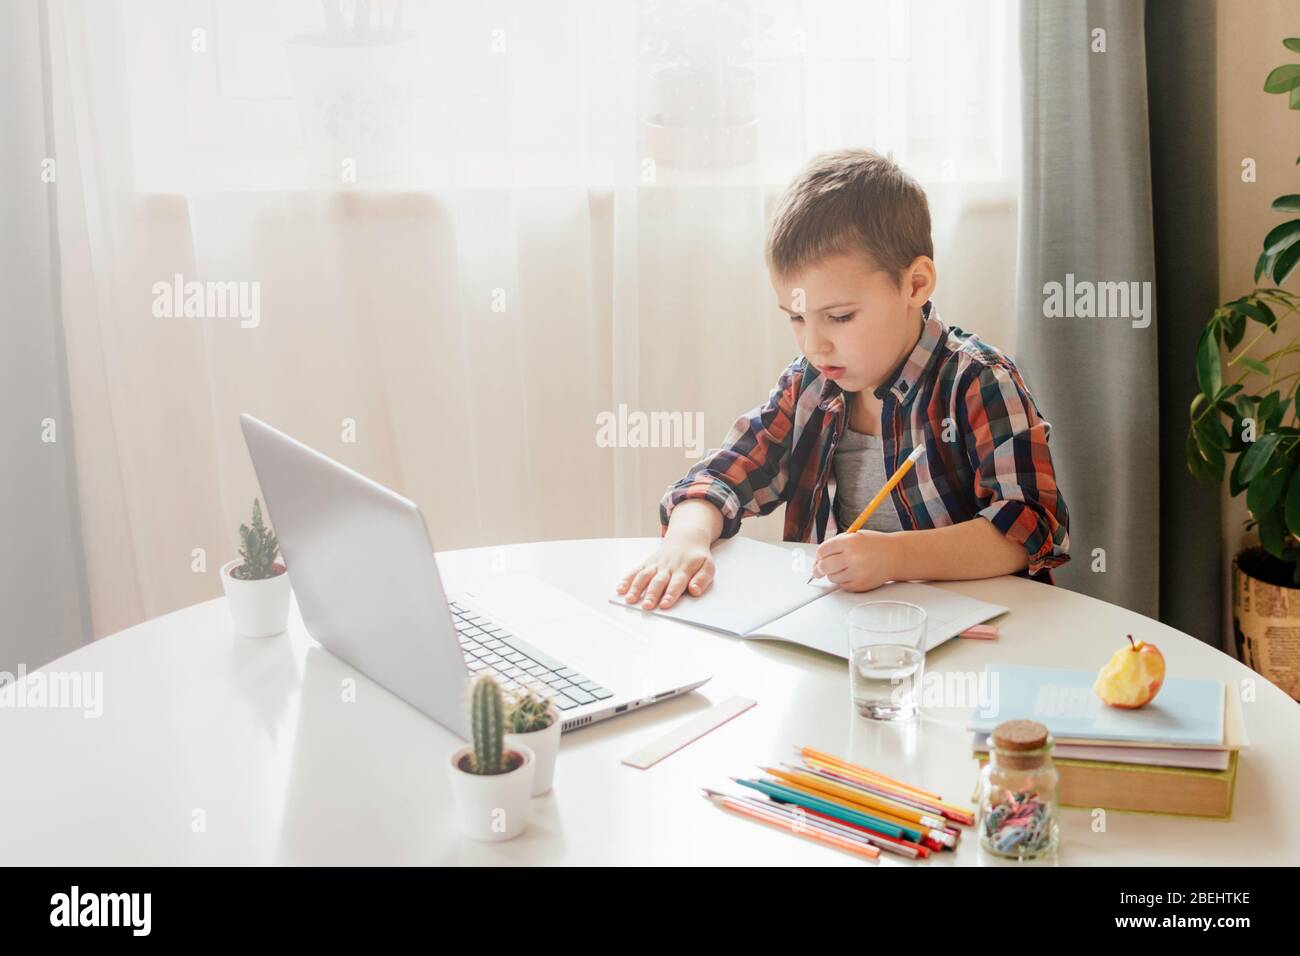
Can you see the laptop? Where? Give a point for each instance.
(363, 569)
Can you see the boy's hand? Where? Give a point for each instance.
(861, 561)
(681, 560)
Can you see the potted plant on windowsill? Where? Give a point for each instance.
(532, 720)
(701, 113)
(1256, 416)
(490, 780)
(353, 83)
(257, 585)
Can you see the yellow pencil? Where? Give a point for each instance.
(904, 792)
(883, 493)
(853, 769)
(886, 810)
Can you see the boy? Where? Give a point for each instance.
(852, 263)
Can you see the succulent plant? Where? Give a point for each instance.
(488, 728)
(258, 547)
(528, 712)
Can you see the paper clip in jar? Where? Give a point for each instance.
(1018, 793)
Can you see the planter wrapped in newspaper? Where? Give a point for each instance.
(1266, 618)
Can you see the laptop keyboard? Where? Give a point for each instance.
(488, 646)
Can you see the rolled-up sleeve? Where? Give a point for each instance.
(1015, 481)
(748, 474)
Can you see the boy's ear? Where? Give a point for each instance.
(919, 280)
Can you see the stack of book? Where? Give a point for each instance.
(1176, 755)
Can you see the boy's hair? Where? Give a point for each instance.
(846, 201)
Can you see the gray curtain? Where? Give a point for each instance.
(1119, 186)
(44, 610)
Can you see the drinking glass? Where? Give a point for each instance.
(886, 659)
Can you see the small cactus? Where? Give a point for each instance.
(529, 712)
(488, 727)
(258, 546)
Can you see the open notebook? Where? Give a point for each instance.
(760, 591)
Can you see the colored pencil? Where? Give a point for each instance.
(891, 813)
(780, 791)
(953, 814)
(922, 799)
(925, 814)
(863, 771)
(816, 833)
(888, 844)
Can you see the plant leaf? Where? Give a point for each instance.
(1271, 533)
(1209, 371)
(1234, 330)
(1293, 506)
(1275, 420)
(1264, 264)
(1195, 464)
(1228, 392)
(1285, 263)
(1283, 79)
(1201, 469)
(1288, 203)
(1211, 438)
(1281, 236)
(1265, 491)
(1255, 458)
(1267, 406)
(1256, 310)
(1292, 44)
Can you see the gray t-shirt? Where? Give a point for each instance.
(859, 473)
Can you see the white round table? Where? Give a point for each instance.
(219, 749)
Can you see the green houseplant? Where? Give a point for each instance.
(491, 778)
(258, 546)
(1248, 405)
(533, 720)
(256, 584)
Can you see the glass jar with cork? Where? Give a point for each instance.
(1018, 792)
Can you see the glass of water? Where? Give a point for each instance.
(886, 659)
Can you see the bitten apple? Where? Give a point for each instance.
(1132, 677)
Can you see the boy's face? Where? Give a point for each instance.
(851, 320)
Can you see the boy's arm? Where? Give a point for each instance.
(1015, 482)
(958, 552)
(748, 474)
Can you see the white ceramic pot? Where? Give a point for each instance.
(492, 807)
(354, 104)
(257, 608)
(545, 745)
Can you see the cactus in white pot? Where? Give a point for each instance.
(533, 720)
(491, 779)
(256, 584)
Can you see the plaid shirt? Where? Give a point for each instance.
(985, 450)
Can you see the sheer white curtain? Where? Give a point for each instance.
(471, 230)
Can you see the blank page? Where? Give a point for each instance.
(824, 625)
(755, 582)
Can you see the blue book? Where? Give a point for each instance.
(1185, 712)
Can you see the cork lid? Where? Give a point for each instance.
(1018, 735)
